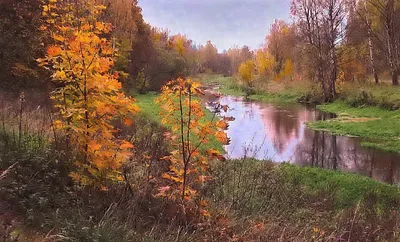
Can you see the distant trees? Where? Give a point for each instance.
(265, 63)
(281, 44)
(20, 43)
(329, 42)
(237, 56)
(247, 72)
(154, 59)
(208, 57)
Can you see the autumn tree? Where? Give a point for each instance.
(361, 16)
(382, 18)
(125, 16)
(189, 162)
(321, 26)
(281, 44)
(237, 56)
(246, 74)
(265, 63)
(208, 56)
(155, 56)
(88, 97)
(389, 12)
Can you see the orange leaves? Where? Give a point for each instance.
(58, 38)
(222, 137)
(222, 124)
(94, 146)
(183, 112)
(105, 64)
(53, 51)
(126, 145)
(128, 122)
(216, 154)
(89, 98)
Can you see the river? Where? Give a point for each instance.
(278, 132)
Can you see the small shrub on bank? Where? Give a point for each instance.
(364, 94)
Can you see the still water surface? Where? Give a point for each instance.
(278, 132)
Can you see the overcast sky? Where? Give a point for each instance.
(224, 22)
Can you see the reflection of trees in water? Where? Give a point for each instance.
(284, 125)
(323, 150)
(249, 110)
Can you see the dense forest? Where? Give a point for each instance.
(106, 132)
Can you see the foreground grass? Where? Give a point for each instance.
(378, 127)
(250, 200)
(304, 203)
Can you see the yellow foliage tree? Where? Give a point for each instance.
(188, 163)
(247, 72)
(286, 72)
(179, 43)
(265, 63)
(88, 97)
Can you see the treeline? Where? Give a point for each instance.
(148, 56)
(330, 42)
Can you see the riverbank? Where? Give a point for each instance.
(364, 110)
(378, 128)
(248, 200)
(271, 92)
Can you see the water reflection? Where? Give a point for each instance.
(278, 132)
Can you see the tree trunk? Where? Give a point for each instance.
(390, 42)
(395, 77)
(370, 44)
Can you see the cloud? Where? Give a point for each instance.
(224, 22)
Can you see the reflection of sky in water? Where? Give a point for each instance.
(279, 133)
(252, 132)
(256, 136)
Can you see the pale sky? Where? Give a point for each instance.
(224, 22)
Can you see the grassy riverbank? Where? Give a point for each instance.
(304, 203)
(270, 92)
(151, 111)
(378, 127)
(249, 200)
(368, 111)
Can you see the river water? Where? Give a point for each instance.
(278, 132)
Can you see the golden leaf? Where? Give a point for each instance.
(126, 145)
(54, 51)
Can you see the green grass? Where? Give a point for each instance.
(301, 199)
(343, 189)
(227, 85)
(151, 110)
(385, 96)
(289, 96)
(147, 105)
(348, 188)
(264, 90)
(380, 129)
